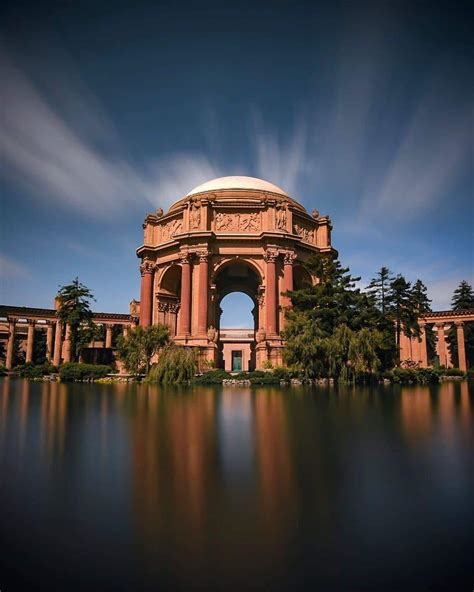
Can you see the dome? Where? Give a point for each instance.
(237, 183)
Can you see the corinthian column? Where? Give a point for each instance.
(57, 343)
(10, 345)
(203, 291)
(271, 292)
(49, 341)
(185, 322)
(30, 341)
(441, 345)
(423, 348)
(146, 293)
(288, 261)
(461, 346)
(108, 335)
(67, 344)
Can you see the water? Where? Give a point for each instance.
(130, 487)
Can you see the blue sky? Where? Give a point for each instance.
(110, 109)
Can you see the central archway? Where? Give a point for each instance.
(236, 341)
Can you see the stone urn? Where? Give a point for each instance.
(261, 335)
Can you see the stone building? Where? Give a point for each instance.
(233, 234)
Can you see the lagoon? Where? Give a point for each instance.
(137, 487)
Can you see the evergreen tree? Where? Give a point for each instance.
(403, 309)
(74, 309)
(463, 299)
(379, 288)
(320, 311)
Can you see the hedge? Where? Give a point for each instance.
(32, 370)
(72, 371)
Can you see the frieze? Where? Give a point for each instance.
(237, 222)
(306, 234)
(171, 228)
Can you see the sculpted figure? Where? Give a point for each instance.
(195, 215)
(223, 221)
(254, 222)
(281, 218)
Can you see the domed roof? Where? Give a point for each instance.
(237, 183)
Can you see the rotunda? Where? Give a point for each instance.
(229, 234)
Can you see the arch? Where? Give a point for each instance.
(170, 280)
(168, 295)
(252, 264)
(301, 277)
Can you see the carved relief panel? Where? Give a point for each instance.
(237, 221)
(305, 231)
(171, 228)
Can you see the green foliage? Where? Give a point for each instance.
(412, 376)
(138, 347)
(450, 372)
(176, 365)
(267, 364)
(212, 377)
(74, 310)
(463, 299)
(32, 370)
(3, 370)
(379, 288)
(73, 371)
(332, 328)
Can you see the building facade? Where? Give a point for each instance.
(233, 234)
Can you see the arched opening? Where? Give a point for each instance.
(237, 315)
(168, 298)
(301, 277)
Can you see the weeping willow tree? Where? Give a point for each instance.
(176, 365)
(352, 354)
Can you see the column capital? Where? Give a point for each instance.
(31, 322)
(459, 323)
(270, 255)
(439, 325)
(163, 306)
(289, 258)
(12, 321)
(204, 255)
(146, 266)
(185, 257)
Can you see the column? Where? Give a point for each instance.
(203, 292)
(271, 292)
(30, 341)
(441, 346)
(422, 346)
(10, 345)
(125, 331)
(108, 335)
(462, 362)
(185, 328)
(146, 293)
(57, 343)
(288, 261)
(49, 341)
(67, 344)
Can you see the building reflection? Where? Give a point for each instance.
(447, 409)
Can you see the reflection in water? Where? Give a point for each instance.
(190, 487)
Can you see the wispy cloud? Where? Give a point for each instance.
(11, 269)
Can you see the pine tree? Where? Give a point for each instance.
(463, 299)
(402, 309)
(379, 288)
(74, 309)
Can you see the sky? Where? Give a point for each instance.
(363, 110)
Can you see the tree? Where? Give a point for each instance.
(74, 310)
(176, 365)
(402, 310)
(325, 312)
(137, 348)
(463, 299)
(379, 288)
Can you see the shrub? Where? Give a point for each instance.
(3, 370)
(31, 370)
(451, 372)
(470, 373)
(175, 366)
(212, 377)
(73, 371)
(267, 364)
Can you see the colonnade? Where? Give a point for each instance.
(415, 348)
(58, 349)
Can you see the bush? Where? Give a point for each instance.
(212, 377)
(3, 370)
(31, 370)
(73, 371)
(175, 365)
(470, 373)
(411, 375)
(451, 372)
